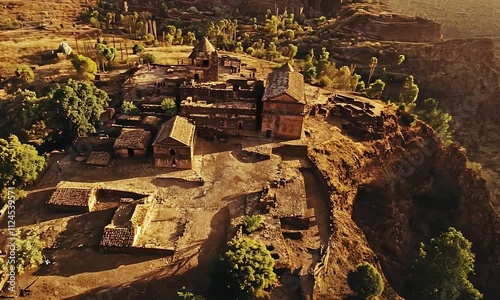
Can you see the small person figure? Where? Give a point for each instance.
(59, 170)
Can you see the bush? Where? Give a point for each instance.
(366, 281)
(84, 66)
(168, 105)
(129, 108)
(375, 90)
(252, 223)
(25, 73)
(137, 48)
(148, 58)
(185, 295)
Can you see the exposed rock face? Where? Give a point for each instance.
(402, 190)
(461, 74)
(388, 27)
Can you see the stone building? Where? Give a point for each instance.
(284, 104)
(231, 106)
(174, 144)
(72, 200)
(204, 62)
(130, 219)
(132, 143)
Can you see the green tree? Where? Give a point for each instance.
(20, 164)
(28, 250)
(252, 223)
(148, 58)
(168, 105)
(129, 108)
(190, 38)
(105, 52)
(243, 270)
(85, 67)
(430, 113)
(442, 267)
(170, 29)
(409, 91)
(375, 90)
(73, 110)
(137, 48)
(366, 281)
(185, 295)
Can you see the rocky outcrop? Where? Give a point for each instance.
(391, 194)
(387, 26)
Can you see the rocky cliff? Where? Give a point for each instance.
(390, 194)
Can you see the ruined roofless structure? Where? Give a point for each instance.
(174, 144)
(204, 61)
(284, 103)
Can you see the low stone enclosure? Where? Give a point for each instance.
(287, 216)
(131, 218)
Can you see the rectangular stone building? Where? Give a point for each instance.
(174, 144)
(284, 104)
(132, 143)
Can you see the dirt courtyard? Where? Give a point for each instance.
(192, 219)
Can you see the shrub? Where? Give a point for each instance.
(375, 90)
(366, 281)
(84, 66)
(252, 223)
(168, 105)
(148, 58)
(25, 73)
(137, 48)
(186, 295)
(129, 108)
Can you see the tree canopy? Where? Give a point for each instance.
(429, 112)
(409, 91)
(84, 66)
(442, 267)
(28, 250)
(366, 281)
(19, 163)
(243, 270)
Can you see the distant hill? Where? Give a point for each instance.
(460, 18)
